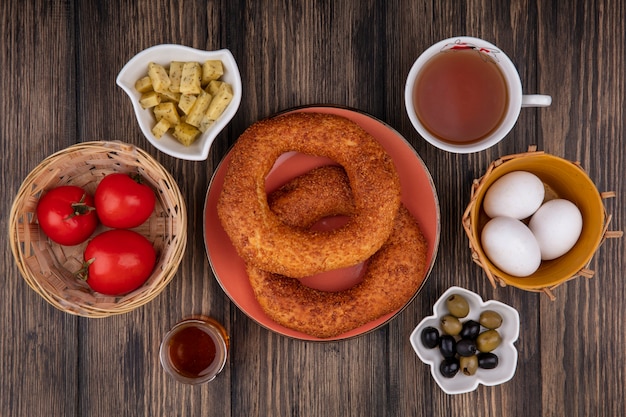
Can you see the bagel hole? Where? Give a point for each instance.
(290, 165)
(337, 279)
(326, 224)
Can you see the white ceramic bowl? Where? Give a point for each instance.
(506, 352)
(137, 68)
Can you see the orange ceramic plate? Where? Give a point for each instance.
(418, 195)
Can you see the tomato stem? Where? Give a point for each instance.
(136, 177)
(83, 272)
(80, 208)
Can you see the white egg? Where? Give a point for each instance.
(511, 246)
(557, 226)
(517, 194)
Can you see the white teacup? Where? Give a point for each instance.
(515, 99)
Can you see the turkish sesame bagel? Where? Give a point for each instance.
(390, 278)
(264, 241)
(322, 192)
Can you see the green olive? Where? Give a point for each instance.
(488, 340)
(457, 306)
(451, 325)
(490, 319)
(468, 364)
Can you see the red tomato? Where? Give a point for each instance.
(66, 215)
(123, 202)
(118, 261)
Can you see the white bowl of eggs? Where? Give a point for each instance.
(534, 221)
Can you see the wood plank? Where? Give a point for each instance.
(119, 355)
(423, 25)
(297, 55)
(60, 61)
(585, 124)
(38, 344)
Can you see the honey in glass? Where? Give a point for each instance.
(195, 350)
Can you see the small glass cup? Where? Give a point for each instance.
(195, 350)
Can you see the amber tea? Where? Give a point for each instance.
(464, 95)
(461, 95)
(194, 351)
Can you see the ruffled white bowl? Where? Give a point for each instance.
(137, 68)
(506, 352)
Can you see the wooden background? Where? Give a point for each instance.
(58, 64)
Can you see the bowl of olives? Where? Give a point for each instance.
(468, 341)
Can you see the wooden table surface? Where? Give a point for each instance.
(59, 61)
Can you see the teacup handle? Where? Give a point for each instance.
(536, 100)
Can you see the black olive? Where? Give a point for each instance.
(449, 367)
(470, 329)
(447, 346)
(487, 360)
(466, 347)
(430, 337)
